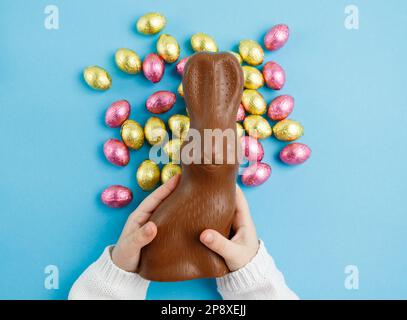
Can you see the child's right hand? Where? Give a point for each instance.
(243, 246)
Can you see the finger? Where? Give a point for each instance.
(219, 244)
(144, 235)
(148, 205)
(242, 216)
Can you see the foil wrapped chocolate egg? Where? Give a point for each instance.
(154, 131)
(148, 175)
(203, 42)
(132, 134)
(257, 127)
(237, 56)
(181, 65)
(128, 61)
(253, 78)
(153, 67)
(179, 125)
(280, 108)
(295, 153)
(251, 52)
(241, 113)
(239, 130)
(160, 101)
(256, 174)
(116, 152)
(180, 90)
(97, 78)
(253, 102)
(173, 149)
(116, 196)
(252, 149)
(151, 23)
(276, 37)
(168, 48)
(288, 130)
(117, 113)
(274, 75)
(170, 170)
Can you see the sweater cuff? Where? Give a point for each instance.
(249, 276)
(116, 278)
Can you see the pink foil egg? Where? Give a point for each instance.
(276, 37)
(117, 113)
(116, 196)
(274, 75)
(153, 67)
(241, 114)
(160, 101)
(180, 65)
(256, 174)
(295, 153)
(280, 108)
(116, 152)
(252, 149)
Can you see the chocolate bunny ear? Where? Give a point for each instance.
(213, 85)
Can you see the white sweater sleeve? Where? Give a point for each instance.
(259, 279)
(103, 280)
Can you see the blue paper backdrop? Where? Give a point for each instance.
(345, 206)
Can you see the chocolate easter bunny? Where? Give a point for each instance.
(205, 195)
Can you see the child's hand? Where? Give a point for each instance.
(243, 246)
(137, 233)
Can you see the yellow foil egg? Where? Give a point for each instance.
(181, 90)
(154, 131)
(253, 78)
(168, 48)
(237, 56)
(132, 134)
(239, 129)
(288, 130)
(151, 23)
(128, 61)
(148, 175)
(170, 170)
(179, 125)
(253, 102)
(173, 149)
(251, 52)
(97, 78)
(203, 42)
(257, 127)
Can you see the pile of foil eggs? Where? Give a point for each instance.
(251, 122)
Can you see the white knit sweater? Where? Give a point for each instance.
(259, 279)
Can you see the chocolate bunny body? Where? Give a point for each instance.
(205, 195)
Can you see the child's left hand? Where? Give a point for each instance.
(138, 232)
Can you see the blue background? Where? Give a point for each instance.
(346, 205)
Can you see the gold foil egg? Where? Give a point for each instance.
(132, 134)
(170, 170)
(181, 90)
(97, 78)
(203, 42)
(253, 102)
(239, 129)
(251, 52)
(151, 23)
(179, 125)
(148, 175)
(168, 48)
(128, 61)
(154, 131)
(257, 127)
(237, 56)
(253, 78)
(288, 130)
(173, 149)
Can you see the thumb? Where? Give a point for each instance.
(219, 244)
(144, 235)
